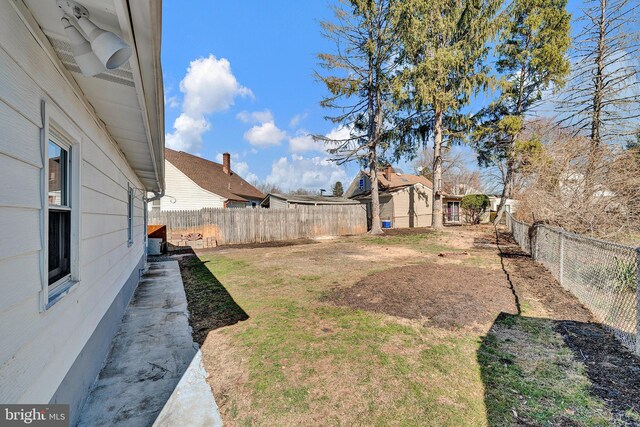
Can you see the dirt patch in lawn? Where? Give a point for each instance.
(442, 295)
(277, 244)
(407, 231)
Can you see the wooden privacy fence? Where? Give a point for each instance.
(212, 227)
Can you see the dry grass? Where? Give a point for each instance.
(299, 360)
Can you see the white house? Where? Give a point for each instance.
(405, 200)
(78, 155)
(194, 183)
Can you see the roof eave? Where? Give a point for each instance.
(144, 18)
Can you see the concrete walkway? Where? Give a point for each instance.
(154, 373)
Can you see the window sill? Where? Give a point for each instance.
(61, 289)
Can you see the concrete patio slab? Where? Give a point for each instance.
(154, 373)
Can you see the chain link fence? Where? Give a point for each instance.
(602, 275)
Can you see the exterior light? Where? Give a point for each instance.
(88, 62)
(107, 46)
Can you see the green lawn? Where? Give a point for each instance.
(279, 354)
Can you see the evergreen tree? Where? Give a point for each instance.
(444, 47)
(531, 57)
(337, 189)
(361, 67)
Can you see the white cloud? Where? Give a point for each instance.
(171, 101)
(311, 173)
(304, 142)
(339, 133)
(255, 116)
(239, 167)
(208, 86)
(187, 132)
(265, 134)
(297, 119)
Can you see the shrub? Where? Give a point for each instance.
(473, 206)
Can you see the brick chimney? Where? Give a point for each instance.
(387, 172)
(226, 163)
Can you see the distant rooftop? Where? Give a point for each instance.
(312, 199)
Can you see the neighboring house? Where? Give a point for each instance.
(276, 201)
(194, 183)
(78, 156)
(510, 205)
(405, 200)
(453, 214)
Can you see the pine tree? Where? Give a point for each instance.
(531, 57)
(362, 68)
(337, 189)
(443, 56)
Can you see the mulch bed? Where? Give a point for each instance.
(279, 244)
(613, 370)
(447, 296)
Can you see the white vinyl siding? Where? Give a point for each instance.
(37, 348)
(184, 194)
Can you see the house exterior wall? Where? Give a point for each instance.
(278, 203)
(354, 189)
(510, 204)
(240, 205)
(417, 199)
(386, 209)
(183, 194)
(38, 348)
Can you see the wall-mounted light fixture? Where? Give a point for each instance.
(88, 62)
(106, 47)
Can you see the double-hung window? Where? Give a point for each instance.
(59, 200)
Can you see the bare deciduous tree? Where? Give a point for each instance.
(457, 178)
(602, 98)
(555, 187)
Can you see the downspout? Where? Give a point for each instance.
(157, 196)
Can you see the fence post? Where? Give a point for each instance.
(561, 273)
(534, 242)
(638, 301)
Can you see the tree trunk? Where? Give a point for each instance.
(436, 221)
(507, 189)
(596, 115)
(376, 227)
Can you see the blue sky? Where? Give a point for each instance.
(238, 77)
(270, 49)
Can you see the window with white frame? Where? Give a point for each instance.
(59, 215)
(130, 216)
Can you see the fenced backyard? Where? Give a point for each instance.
(603, 275)
(208, 228)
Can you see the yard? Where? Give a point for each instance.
(413, 328)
